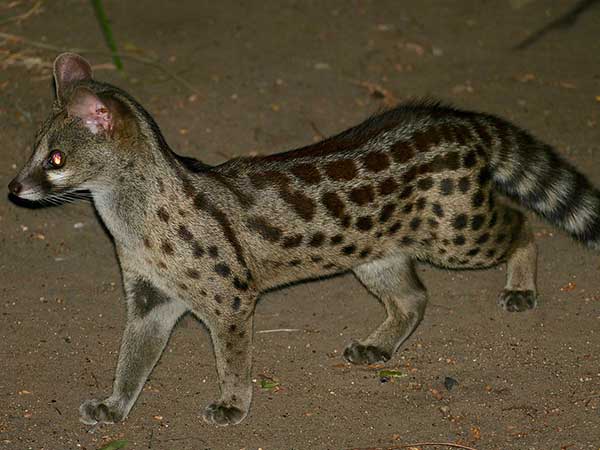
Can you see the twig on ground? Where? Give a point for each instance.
(150, 440)
(280, 330)
(316, 130)
(20, 17)
(419, 444)
(140, 59)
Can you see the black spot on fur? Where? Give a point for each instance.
(425, 184)
(483, 238)
(484, 175)
(464, 184)
(478, 199)
(184, 233)
(473, 251)
(447, 186)
(316, 240)
(387, 186)
(386, 212)
(197, 250)
(163, 214)
(437, 209)
(421, 202)
(406, 192)
(337, 239)
(460, 221)
(364, 223)
(146, 297)
(470, 159)
(222, 269)
(292, 241)
(213, 251)
(477, 221)
(193, 273)
(376, 161)
(415, 223)
(459, 240)
(265, 229)
(406, 240)
(349, 249)
(167, 248)
(236, 303)
(493, 220)
(239, 284)
(394, 228)
(334, 204)
(362, 195)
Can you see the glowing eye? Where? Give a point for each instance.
(56, 159)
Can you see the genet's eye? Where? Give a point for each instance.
(56, 159)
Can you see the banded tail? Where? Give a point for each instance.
(534, 175)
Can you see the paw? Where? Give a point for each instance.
(357, 353)
(221, 414)
(92, 412)
(517, 301)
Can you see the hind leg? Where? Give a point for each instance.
(395, 283)
(520, 292)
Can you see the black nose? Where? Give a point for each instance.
(15, 187)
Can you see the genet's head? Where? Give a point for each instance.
(76, 145)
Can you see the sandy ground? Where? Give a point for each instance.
(269, 76)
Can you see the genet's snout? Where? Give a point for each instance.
(15, 187)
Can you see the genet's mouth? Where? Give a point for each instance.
(22, 191)
(29, 194)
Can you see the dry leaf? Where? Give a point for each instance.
(475, 433)
(380, 93)
(524, 78)
(568, 287)
(436, 394)
(567, 85)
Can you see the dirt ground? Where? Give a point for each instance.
(269, 76)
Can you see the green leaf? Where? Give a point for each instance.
(267, 383)
(115, 445)
(391, 374)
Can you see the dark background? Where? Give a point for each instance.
(266, 76)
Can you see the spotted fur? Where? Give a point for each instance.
(422, 182)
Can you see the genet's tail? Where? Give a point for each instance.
(532, 174)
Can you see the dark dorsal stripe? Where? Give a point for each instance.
(360, 135)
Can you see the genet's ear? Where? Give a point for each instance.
(94, 113)
(69, 68)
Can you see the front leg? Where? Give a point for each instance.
(150, 319)
(232, 342)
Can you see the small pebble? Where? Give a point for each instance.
(449, 383)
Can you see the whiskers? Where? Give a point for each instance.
(66, 197)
